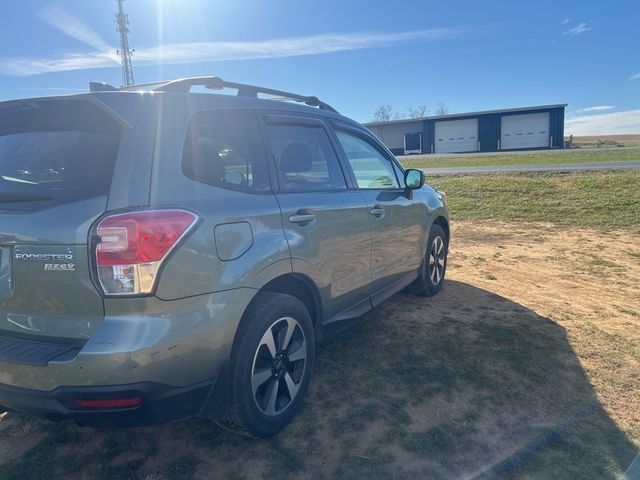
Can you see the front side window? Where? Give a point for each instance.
(304, 158)
(222, 149)
(372, 169)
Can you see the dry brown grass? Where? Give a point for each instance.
(593, 140)
(586, 281)
(526, 365)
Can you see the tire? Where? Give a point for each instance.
(433, 267)
(266, 392)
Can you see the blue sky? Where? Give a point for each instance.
(355, 55)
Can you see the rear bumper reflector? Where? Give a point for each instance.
(112, 403)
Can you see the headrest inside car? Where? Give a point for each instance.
(296, 158)
(205, 163)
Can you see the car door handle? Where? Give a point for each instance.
(302, 218)
(377, 211)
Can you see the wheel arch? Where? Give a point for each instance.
(444, 224)
(304, 289)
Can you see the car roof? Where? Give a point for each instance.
(125, 102)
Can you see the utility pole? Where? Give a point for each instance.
(122, 26)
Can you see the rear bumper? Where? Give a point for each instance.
(171, 354)
(140, 340)
(158, 403)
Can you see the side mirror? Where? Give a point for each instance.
(413, 179)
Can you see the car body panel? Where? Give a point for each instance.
(396, 236)
(334, 250)
(51, 297)
(131, 182)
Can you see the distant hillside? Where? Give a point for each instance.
(606, 140)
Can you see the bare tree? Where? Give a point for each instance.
(418, 111)
(442, 109)
(385, 113)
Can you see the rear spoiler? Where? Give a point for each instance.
(31, 103)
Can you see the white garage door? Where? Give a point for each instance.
(457, 136)
(525, 131)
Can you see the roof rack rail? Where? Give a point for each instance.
(141, 86)
(105, 87)
(244, 90)
(215, 83)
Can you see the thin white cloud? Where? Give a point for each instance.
(619, 123)
(635, 76)
(578, 29)
(24, 66)
(73, 27)
(565, 21)
(220, 51)
(597, 108)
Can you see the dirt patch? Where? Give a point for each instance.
(526, 365)
(562, 273)
(586, 281)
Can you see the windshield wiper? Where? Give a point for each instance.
(22, 197)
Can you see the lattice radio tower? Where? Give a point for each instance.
(122, 26)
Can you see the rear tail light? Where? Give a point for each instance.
(132, 246)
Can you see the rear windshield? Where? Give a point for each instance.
(56, 153)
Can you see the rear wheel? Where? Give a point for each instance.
(434, 265)
(271, 365)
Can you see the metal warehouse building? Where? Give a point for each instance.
(525, 128)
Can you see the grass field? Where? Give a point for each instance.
(541, 157)
(525, 366)
(602, 200)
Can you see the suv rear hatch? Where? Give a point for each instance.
(57, 158)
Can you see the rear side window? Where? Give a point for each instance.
(223, 148)
(305, 159)
(48, 159)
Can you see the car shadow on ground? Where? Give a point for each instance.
(466, 384)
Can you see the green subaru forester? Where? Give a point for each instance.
(167, 254)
